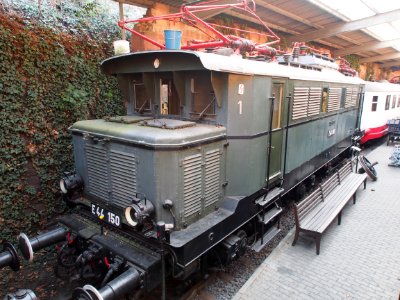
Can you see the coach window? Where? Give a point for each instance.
(324, 101)
(394, 101)
(387, 104)
(374, 103)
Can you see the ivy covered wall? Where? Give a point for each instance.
(48, 80)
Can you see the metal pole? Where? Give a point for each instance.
(262, 226)
(161, 237)
(288, 98)
(271, 114)
(360, 109)
(122, 18)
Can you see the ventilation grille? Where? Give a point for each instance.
(347, 99)
(212, 178)
(97, 172)
(123, 178)
(111, 177)
(314, 102)
(334, 99)
(351, 97)
(300, 99)
(192, 182)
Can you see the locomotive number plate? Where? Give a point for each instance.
(106, 215)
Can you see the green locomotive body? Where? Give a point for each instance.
(208, 147)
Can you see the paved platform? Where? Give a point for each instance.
(360, 259)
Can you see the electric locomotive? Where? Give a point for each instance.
(210, 144)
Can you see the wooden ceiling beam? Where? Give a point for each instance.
(347, 39)
(297, 18)
(286, 13)
(277, 27)
(329, 44)
(380, 58)
(212, 13)
(255, 21)
(348, 26)
(140, 3)
(367, 47)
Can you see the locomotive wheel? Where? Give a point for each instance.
(301, 191)
(243, 242)
(368, 168)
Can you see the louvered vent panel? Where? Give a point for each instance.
(97, 171)
(212, 179)
(348, 99)
(300, 99)
(192, 184)
(334, 99)
(354, 98)
(314, 102)
(123, 178)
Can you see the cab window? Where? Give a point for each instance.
(324, 100)
(203, 96)
(141, 99)
(169, 100)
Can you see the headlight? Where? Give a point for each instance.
(137, 212)
(70, 182)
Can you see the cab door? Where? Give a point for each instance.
(275, 159)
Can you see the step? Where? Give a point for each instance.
(272, 194)
(269, 215)
(268, 236)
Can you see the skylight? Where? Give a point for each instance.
(351, 10)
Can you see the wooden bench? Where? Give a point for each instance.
(317, 211)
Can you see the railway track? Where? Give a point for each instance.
(224, 283)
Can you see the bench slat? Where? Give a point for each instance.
(336, 209)
(334, 204)
(309, 203)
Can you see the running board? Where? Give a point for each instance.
(270, 215)
(267, 199)
(266, 239)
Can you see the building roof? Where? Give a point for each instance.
(368, 28)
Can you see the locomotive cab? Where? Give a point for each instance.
(164, 161)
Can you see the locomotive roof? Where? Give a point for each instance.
(371, 86)
(175, 60)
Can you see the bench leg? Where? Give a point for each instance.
(365, 183)
(318, 242)
(296, 236)
(354, 198)
(339, 218)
